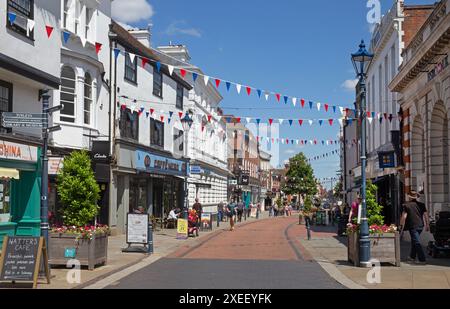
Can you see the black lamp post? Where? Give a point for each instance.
(361, 61)
(187, 124)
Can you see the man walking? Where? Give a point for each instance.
(415, 220)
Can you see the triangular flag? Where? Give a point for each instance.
(194, 76)
(238, 88)
(303, 102)
(267, 96)
(206, 80)
(311, 122)
(209, 118)
(238, 120)
(248, 119)
(171, 68)
(217, 82)
(294, 101)
(370, 120)
(228, 119)
(330, 122)
(158, 66)
(30, 25)
(116, 53)
(341, 109)
(203, 128)
(259, 93)
(385, 116)
(278, 97)
(169, 120)
(49, 30)
(152, 111)
(310, 104)
(66, 36)
(132, 57)
(170, 114)
(281, 121)
(290, 122)
(180, 114)
(228, 84)
(162, 118)
(390, 117)
(320, 122)
(373, 114)
(147, 114)
(326, 107)
(98, 47)
(334, 109)
(258, 121)
(286, 98)
(83, 42)
(12, 17)
(300, 121)
(270, 121)
(183, 73)
(318, 106)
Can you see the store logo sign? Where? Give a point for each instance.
(441, 66)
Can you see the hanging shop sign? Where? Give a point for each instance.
(441, 66)
(100, 151)
(152, 163)
(17, 152)
(387, 159)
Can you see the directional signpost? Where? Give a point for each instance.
(24, 120)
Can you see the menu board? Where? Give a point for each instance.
(137, 229)
(21, 257)
(206, 221)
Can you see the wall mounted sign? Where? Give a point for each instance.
(55, 165)
(196, 170)
(152, 163)
(100, 151)
(17, 152)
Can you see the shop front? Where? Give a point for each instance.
(145, 181)
(19, 189)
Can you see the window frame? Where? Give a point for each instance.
(153, 123)
(156, 85)
(86, 99)
(16, 8)
(10, 88)
(178, 138)
(61, 114)
(179, 98)
(66, 8)
(126, 125)
(133, 69)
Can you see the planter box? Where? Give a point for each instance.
(88, 252)
(384, 248)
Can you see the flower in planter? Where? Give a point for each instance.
(86, 233)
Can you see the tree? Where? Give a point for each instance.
(338, 189)
(78, 190)
(300, 177)
(374, 209)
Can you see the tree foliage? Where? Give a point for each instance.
(78, 190)
(300, 177)
(374, 210)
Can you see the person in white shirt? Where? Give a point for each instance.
(173, 215)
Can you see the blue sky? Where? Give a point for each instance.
(297, 48)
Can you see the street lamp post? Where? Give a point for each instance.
(361, 61)
(187, 124)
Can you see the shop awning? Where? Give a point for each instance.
(9, 173)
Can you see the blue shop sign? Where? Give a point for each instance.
(152, 163)
(387, 160)
(196, 170)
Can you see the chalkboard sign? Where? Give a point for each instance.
(21, 258)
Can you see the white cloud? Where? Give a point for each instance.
(290, 152)
(131, 11)
(350, 84)
(181, 27)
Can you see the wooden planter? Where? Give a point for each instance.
(384, 248)
(89, 253)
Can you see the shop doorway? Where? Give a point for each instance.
(103, 203)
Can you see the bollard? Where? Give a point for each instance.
(150, 239)
(308, 226)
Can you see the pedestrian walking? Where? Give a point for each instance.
(354, 210)
(220, 209)
(240, 211)
(415, 220)
(231, 212)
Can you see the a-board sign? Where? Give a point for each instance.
(182, 229)
(206, 221)
(137, 229)
(21, 258)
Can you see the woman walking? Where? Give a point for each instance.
(231, 212)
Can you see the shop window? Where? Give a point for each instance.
(87, 98)
(68, 94)
(138, 196)
(157, 84)
(24, 10)
(156, 133)
(5, 202)
(6, 90)
(180, 95)
(129, 124)
(130, 69)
